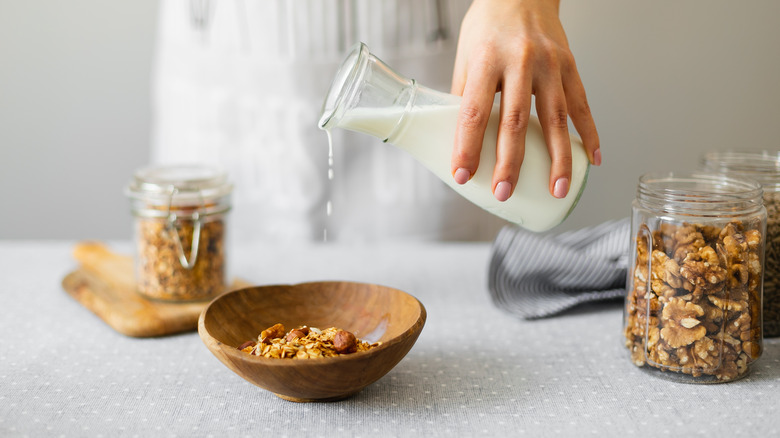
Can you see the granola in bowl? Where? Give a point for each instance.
(305, 343)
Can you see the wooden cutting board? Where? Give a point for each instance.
(104, 283)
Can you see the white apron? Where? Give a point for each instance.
(240, 84)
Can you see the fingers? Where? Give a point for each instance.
(458, 74)
(478, 94)
(557, 99)
(553, 116)
(581, 117)
(510, 147)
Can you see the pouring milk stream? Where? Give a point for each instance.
(368, 96)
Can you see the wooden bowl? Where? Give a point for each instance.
(371, 312)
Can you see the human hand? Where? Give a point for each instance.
(518, 47)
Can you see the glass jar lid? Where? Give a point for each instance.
(762, 166)
(700, 194)
(157, 190)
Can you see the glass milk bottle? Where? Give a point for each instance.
(368, 96)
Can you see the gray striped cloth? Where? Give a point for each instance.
(537, 276)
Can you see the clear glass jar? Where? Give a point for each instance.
(693, 302)
(764, 167)
(180, 231)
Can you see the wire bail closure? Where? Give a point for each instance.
(172, 228)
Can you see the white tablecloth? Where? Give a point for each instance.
(475, 370)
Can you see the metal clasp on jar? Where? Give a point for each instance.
(172, 228)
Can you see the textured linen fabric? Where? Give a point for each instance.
(475, 370)
(536, 276)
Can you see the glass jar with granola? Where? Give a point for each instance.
(180, 214)
(764, 167)
(693, 302)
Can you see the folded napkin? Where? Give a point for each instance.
(536, 276)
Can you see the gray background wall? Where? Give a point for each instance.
(666, 79)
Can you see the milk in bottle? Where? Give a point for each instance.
(367, 96)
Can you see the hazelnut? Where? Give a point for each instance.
(344, 342)
(294, 334)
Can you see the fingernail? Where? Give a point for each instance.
(502, 191)
(462, 176)
(597, 157)
(561, 187)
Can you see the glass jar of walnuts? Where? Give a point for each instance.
(764, 167)
(693, 302)
(180, 231)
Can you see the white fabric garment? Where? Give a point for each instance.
(240, 84)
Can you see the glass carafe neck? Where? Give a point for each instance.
(366, 86)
